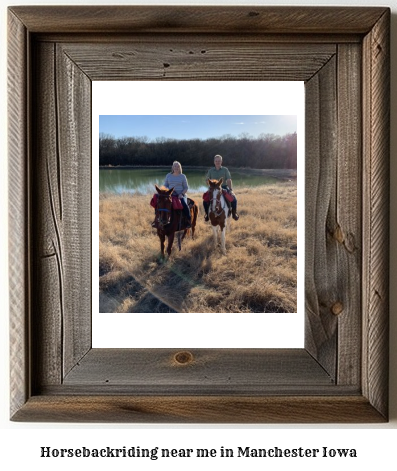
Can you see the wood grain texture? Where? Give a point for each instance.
(193, 19)
(199, 409)
(346, 227)
(321, 277)
(62, 224)
(341, 376)
(73, 89)
(333, 215)
(48, 280)
(208, 38)
(246, 370)
(19, 227)
(376, 90)
(185, 59)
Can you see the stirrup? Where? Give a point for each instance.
(206, 218)
(235, 216)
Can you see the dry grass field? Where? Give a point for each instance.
(258, 274)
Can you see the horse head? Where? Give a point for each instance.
(164, 205)
(215, 183)
(215, 190)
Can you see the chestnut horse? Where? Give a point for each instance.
(169, 220)
(218, 212)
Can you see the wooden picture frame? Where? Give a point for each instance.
(342, 54)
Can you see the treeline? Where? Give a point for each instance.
(266, 151)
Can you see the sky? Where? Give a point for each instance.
(195, 126)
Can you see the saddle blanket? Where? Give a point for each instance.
(176, 202)
(226, 194)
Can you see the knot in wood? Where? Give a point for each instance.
(338, 235)
(183, 358)
(337, 308)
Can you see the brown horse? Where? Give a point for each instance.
(170, 221)
(218, 212)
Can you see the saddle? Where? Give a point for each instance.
(182, 221)
(227, 194)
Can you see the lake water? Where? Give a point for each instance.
(142, 180)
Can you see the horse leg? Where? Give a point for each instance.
(180, 238)
(223, 240)
(226, 220)
(223, 226)
(162, 245)
(215, 232)
(170, 242)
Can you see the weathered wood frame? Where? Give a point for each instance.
(342, 54)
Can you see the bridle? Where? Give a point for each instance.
(218, 203)
(163, 211)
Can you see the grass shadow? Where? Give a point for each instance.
(125, 291)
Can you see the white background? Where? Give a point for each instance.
(253, 330)
(20, 443)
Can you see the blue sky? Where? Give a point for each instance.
(195, 126)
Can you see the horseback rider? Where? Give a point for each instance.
(216, 173)
(177, 180)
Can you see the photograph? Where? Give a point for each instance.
(197, 213)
